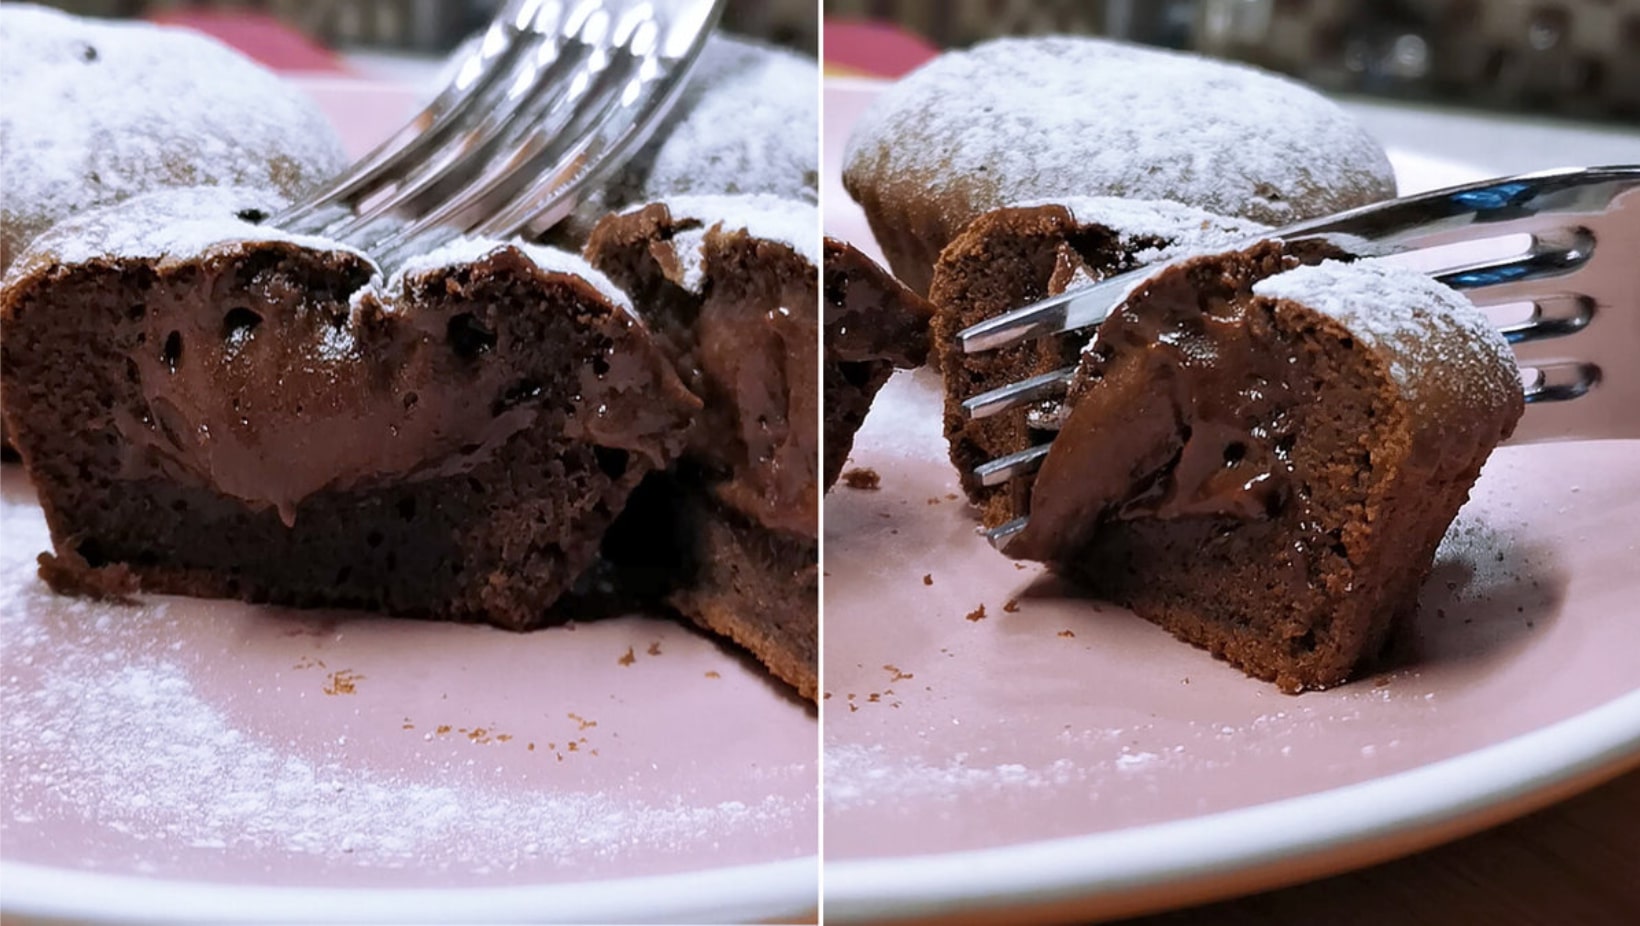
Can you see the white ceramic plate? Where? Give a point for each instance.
(186, 760)
(1058, 759)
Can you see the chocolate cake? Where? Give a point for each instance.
(729, 286)
(1026, 119)
(1014, 256)
(873, 325)
(1262, 457)
(231, 411)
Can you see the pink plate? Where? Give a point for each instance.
(1057, 758)
(203, 760)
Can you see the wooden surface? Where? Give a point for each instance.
(1575, 863)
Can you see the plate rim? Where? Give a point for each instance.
(1241, 851)
(760, 891)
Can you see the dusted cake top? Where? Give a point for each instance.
(1425, 326)
(1016, 120)
(768, 218)
(96, 112)
(1149, 231)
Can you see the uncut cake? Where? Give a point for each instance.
(1261, 456)
(1018, 120)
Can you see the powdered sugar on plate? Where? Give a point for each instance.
(97, 112)
(158, 738)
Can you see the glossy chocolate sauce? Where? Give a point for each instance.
(1179, 410)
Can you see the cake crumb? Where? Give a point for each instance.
(1066, 634)
(343, 682)
(1012, 606)
(629, 658)
(70, 574)
(928, 578)
(712, 673)
(863, 479)
(897, 672)
(978, 614)
(655, 648)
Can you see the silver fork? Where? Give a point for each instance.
(1563, 279)
(555, 95)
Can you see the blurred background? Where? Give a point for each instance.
(1569, 57)
(423, 26)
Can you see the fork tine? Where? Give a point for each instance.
(998, 471)
(538, 91)
(1017, 395)
(560, 140)
(554, 193)
(1395, 227)
(470, 91)
(1551, 255)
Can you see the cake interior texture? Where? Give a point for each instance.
(258, 423)
(873, 325)
(1264, 479)
(1004, 260)
(732, 532)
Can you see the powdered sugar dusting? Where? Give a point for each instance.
(792, 223)
(468, 250)
(186, 224)
(167, 225)
(1014, 120)
(1434, 335)
(1186, 231)
(97, 112)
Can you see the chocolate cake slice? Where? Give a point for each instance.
(730, 287)
(1262, 457)
(873, 325)
(231, 411)
(1012, 257)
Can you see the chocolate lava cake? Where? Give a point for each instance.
(229, 411)
(1011, 257)
(729, 287)
(1262, 457)
(1028, 119)
(873, 325)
